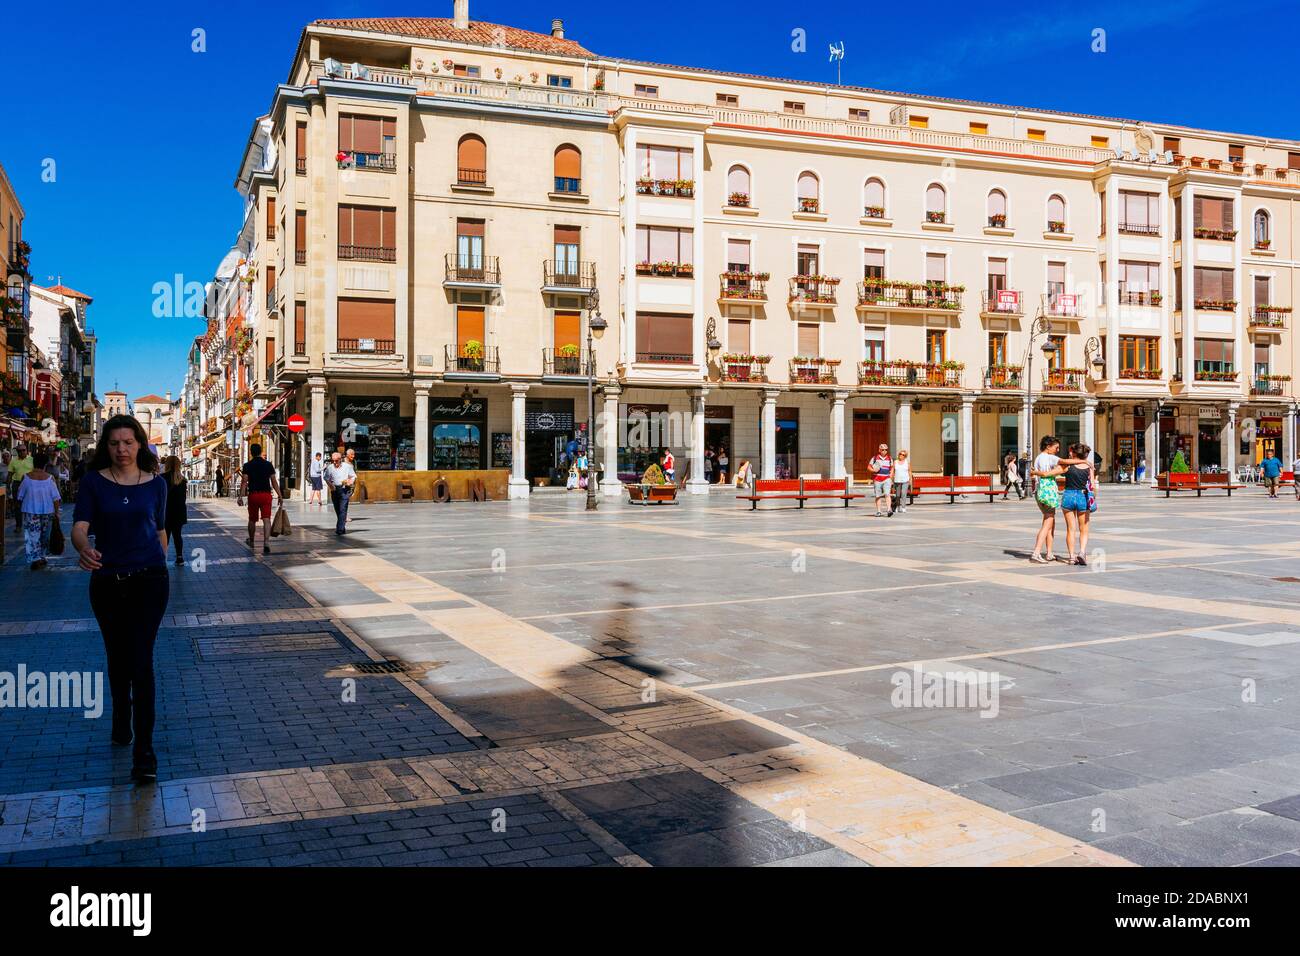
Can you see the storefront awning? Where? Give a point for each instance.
(209, 442)
(270, 408)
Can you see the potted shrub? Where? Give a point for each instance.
(998, 220)
(566, 359)
(472, 349)
(935, 216)
(738, 199)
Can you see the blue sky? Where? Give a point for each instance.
(146, 135)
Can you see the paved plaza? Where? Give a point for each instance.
(689, 685)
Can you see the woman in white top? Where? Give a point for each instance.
(902, 478)
(38, 495)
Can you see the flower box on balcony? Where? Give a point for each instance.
(1222, 235)
(1263, 243)
(1055, 225)
(738, 199)
(808, 205)
(1145, 374)
(998, 221)
(873, 212)
(1216, 305)
(1273, 378)
(1207, 376)
(936, 217)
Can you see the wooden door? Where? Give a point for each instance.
(870, 430)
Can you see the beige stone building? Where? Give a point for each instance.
(794, 271)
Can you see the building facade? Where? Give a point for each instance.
(796, 272)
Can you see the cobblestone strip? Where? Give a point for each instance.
(75, 817)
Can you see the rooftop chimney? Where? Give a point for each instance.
(557, 29)
(460, 14)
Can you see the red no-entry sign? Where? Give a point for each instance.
(296, 423)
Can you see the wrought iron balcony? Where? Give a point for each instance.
(742, 367)
(1063, 379)
(924, 296)
(1269, 384)
(1002, 302)
(1062, 305)
(472, 270)
(904, 374)
(743, 286)
(812, 370)
(570, 276)
(1269, 316)
(472, 358)
(813, 290)
(368, 253)
(566, 361)
(353, 159)
(1004, 377)
(367, 346)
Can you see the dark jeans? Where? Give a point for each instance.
(340, 497)
(175, 535)
(129, 612)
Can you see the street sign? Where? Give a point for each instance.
(296, 423)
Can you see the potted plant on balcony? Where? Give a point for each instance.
(665, 268)
(738, 199)
(644, 268)
(737, 366)
(1263, 243)
(472, 351)
(644, 185)
(1055, 225)
(1157, 297)
(998, 220)
(873, 212)
(685, 269)
(566, 359)
(808, 203)
(684, 187)
(932, 216)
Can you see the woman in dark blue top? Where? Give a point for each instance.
(122, 502)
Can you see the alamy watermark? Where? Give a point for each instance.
(934, 689)
(75, 690)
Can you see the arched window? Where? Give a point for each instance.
(873, 199)
(997, 209)
(738, 186)
(1263, 233)
(936, 204)
(809, 192)
(568, 169)
(471, 161)
(1055, 213)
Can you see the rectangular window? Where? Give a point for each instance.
(1261, 359)
(1214, 355)
(300, 154)
(300, 236)
(366, 325)
(367, 233)
(664, 337)
(369, 140)
(1101, 142)
(1236, 153)
(1172, 144)
(918, 122)
(1055, 278)
(270, 218)
(738, 255)
(563, 82)
(809, 343)
(1139, 213)
(997, 277)
(270, 354)
(300, 328)
(1293, 160)
(666, 162)
(997, 348)
(728, 99)
(1036, 135)
(567, 329)
(1139, 283)
(936, 267)
(645, 91)
(873, 344)
(470, 244)
(807, 258)
(873, 264)
(738, 336)
(1211, 286)
(664, 245)
(471, 326)
(793, 106)
(936, 346)
(1262, 291)
(567, 250)
(979, 129)
(1139, 353)
(465, 69)
(1056, 356)
(1212, 214)
(859, 114)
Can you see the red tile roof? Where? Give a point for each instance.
(151, 400)
(70, 293)
(483, 34)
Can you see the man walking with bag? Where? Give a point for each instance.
(341, 478)
(258, 481)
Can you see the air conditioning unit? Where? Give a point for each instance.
(332, 67)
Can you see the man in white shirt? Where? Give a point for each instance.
(316, 480)
(341, 478)
(1295, 477)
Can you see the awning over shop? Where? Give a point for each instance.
(269, 409)
(209, 442)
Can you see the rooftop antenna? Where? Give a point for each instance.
(837, 57)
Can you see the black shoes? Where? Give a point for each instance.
(145, 768)
(121, 737)
(266, 549)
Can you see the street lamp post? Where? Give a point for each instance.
(1041, 327)
(596, 326)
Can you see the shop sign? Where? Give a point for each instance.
(549, 421)
(473, 411)
(368, 408)
(1209, 412)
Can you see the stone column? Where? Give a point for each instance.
(1228, 441)
(902, 428)
(1288, 438)
(318, 418)
(607, 439)
(422, 425)
(698, 484)
(518, 487)
(1089, 423)
(1153, 443)
(966, 436)
(769, 433)
(837, 433)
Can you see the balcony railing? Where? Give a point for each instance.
(1063, 379)
(1222, 235)
(1139, 228)
(1216, 305)
(1151, 297)
(368, 253)
(1063, 305)
(666, 358)
(366, 346)
(930, 296)
(352, 159)
(1269, 384)
(1269, 316)
(270, 231)
(903, 374)
(1005, 377)
(300, 165)
(483, 360)
(1215, 375)
(565, 361)
(480, 270)
(682, 270)
(744, 286)
(300, 257)
(299, 348)
(1001, 302)
(666, 187)
(812, 370)
(470, 176)
(568, 184)
(561, 274)
(818, 289)
(742, 367)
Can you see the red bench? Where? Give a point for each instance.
(799, 489)
(952, 486)
(1194, 481)
(641, 494)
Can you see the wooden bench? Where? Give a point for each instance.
(828, 488)
(642, 494)
(1194, 481)
(952, 486)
